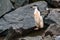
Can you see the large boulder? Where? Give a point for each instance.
(54, 16)
(5, 6)
(55, 3)
(23, 16)
(19, 3)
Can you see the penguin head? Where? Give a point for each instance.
(34, 6)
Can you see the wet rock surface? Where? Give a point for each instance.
(55, 3)
(5, 6)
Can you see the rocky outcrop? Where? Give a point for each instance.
(18, 24)
(55, 3)
(21, 17)
(52, 32)
(5, 6)
(53, 29)
(54, 16)
(24, 17)
(19, 3)
(54, 21)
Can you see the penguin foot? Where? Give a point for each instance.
(36, 28)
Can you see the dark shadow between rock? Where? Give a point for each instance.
(18, 33)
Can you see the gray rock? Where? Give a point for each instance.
(21, 17)
(3, 25)
(19, 3)
(57, 38)
(53, 29)
(51, 32)
(24, 16)
(31, 38)
(47, 38)
(55, 3)
(5, 6)
(54, 15)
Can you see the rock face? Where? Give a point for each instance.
(52, 32)
(57, 38)
(19, 3)
(54, 29)
(54, 15)
(55, 3)
(5, 6)
(47, 38)
(31, 38)
(21, 17)
(54, 19)
(3, 23)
